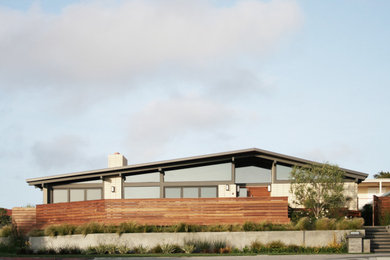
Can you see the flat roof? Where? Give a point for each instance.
(185, 162)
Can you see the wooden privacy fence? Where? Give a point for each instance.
(203, 211)
(381, 210)
(24, 218)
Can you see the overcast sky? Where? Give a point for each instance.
(159, 80)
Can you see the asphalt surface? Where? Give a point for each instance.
(258, 257)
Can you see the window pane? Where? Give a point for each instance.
(208, 192)
(94, 194)
(142, 192)
(172, 192)
(219, 172)
(283, 172)
(60, 196)
(76, 195)
(253, 174)
(243, 192)
(146, 177)
(190, 192)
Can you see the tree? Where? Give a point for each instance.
(382, 174)
(318, 187)
(4, 218)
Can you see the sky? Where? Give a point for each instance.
(158, 80)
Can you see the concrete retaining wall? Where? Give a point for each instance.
(235, 239)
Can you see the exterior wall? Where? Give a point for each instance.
(223, 193)
(371, 187)
(283, 189)
(110, 182)
(234, 239)
(204, 211)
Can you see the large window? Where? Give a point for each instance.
(145, 177)
(218, 172)
(60, 195)
(253, 174)
(190, 192)
(76, 194)
(283, 173)
(142, 192)
(94, 194)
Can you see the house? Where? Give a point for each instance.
(370, 187)
(242, 173)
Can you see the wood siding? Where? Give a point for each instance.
(380, 209)
(24, 218)
(258, 192)
(166, 211)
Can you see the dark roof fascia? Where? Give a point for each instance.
(188, 161)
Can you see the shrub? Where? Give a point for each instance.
(218, 246)
(200, 246)
(4, 218)
(123, 249)
(51, 231)
(367, 214)
(188, 249)
(257, 247)
(90, 228)
(7, 231)
(354, 223)
(140, 249)
(129, 227)
(325, 224)
(276, 247)
(168, 248)
(303, 224)
(36, 233)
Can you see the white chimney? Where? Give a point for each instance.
(116, 160)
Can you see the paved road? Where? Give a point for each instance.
(266, 257)
(259, 257)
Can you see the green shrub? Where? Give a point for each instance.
(129, 227)
(140, 249)
(90, 228)
(7, 231)
(355, 223)
(36, 233)
(123, 249)
(304, 224)
(168, 248)
(51, 231)
(367, 214)
(4, 218)
(217, 246)
(325, 224)
(188, 249)
(200, 246)
(257, 247)
(249, 226)
(276, 247)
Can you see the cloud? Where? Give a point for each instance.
(65, 152)
(166, 121)
(98, 45)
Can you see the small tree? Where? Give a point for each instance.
(318, 187)
(382, 174)
(4, 218)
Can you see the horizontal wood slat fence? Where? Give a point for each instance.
(24, 218)
(381, 207)
(203, 211)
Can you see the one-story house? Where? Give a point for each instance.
(243, 173)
